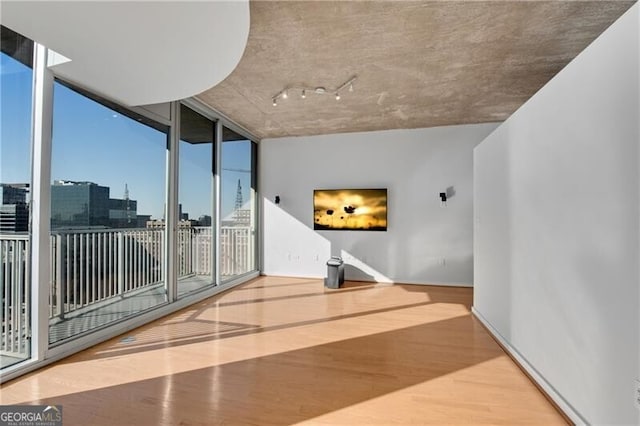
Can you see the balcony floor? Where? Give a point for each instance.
(120, 309)
(7, 360)
(78, 324)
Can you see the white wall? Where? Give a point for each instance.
(424, 243)
(557, 230)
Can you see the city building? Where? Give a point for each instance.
(239, 217)
(13, 193)
(14, 210)
(14, 218)
(204, 220)
(123, 213)
(79, 205)
(83, 205)
(505, 290)
(160, 224)
(142, 219)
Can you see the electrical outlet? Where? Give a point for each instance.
(442, 261)
(636, 395)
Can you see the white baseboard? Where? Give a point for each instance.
(434, 283)
(286, 275)
(315, 277)
(562, 404)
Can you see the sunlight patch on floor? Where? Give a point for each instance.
(213, 334)
(465, 396)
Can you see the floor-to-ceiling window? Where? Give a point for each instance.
(16, 84)
(238, 205)
(108, 189)
(113, 180)
(196, 209)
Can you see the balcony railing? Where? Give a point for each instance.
(14, 295)
(91, 268)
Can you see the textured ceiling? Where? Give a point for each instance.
(419, 64)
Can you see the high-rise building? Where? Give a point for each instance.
(87, 205)
(13, 193)
(14, 210)
(79, 205)
(142, 219)
(123, 213)
(14, 217)
(204, 220)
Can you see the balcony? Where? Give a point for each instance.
(102, 276)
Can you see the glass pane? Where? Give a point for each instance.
(107, 211)
(237, 234)
(16, 80)
(195, 198)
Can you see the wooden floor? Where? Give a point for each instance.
(281, 351)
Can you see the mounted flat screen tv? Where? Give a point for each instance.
(350, 209)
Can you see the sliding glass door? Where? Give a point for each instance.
(107, 214)
(16, 82)
(196, 208)
(238, 225)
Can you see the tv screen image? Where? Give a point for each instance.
(350, 209)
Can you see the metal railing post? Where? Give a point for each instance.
(120, 264)
(4, 302)
(59, 285)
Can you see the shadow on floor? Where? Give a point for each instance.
(186, 327)
(289, 387)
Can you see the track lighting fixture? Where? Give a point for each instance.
(318, 90)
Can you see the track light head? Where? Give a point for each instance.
(314, 90)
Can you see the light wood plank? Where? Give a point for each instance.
(287, 351)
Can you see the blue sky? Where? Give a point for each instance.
(15, 120)
(94, 143)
